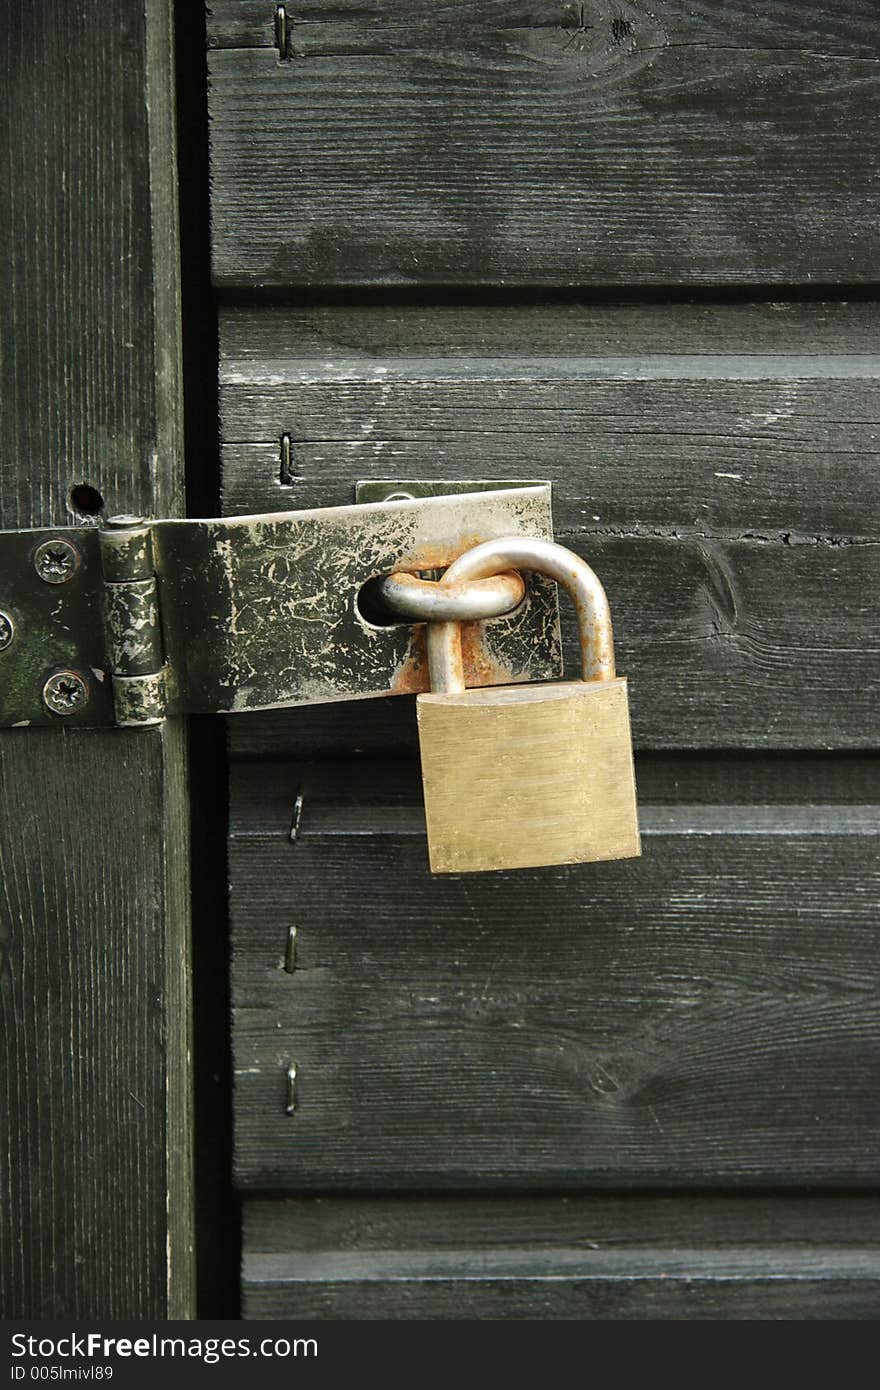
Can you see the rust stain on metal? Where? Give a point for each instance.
(436, 555)
(412, 676)
(480, 668)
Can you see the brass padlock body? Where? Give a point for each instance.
(519, 776)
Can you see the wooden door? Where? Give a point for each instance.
(631, 249)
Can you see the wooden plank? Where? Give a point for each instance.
(274, 1225)
(386, 729)
(561, 1257)
(680, 1020)
(746, 645)
(263, 794)
(681, 1285)
(708, 442)
(95, 1160)
(604, 144)
(699, 437)
(724, 494)
(82, 361)
(91, 1149)
(725, 646)
(434, 327)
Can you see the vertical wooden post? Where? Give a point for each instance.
(95, 1094)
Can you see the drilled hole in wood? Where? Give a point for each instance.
(86, 500)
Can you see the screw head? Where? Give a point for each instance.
(7, 630)
(56, 561)
(65, 693)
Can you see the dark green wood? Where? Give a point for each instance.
(759, 1287)
(380, 728)
(458, 329)
(83, 365)
(681, 1019)
(95, 1152)
(599, 144)
(541, 1221)
(358, 784)
(717, 466)
(562, 1257)
(726, 646)
(707, 1015)
(93, 1010)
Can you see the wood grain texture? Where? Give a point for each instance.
(681, 1020)
(595, 144)
(724, 646)
(716, 466)
(95, 1154)
(561, 1257)
(94, 1134)
(276, 1225)
(437, 327)
(333, 788)
(87, 378)
(687, 1285)
(387, 728)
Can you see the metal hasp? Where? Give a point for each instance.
(142, 619)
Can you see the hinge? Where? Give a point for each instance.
(142, 681)
(141, 619)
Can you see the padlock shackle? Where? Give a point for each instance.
(546, 557)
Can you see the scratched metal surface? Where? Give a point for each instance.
(57, 627)
(260, 611)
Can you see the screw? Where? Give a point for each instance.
(56, 561)
(7, 631)
(65, 693)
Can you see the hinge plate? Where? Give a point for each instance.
(258, 612)
(56, 627)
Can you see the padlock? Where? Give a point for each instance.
(525, 775)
